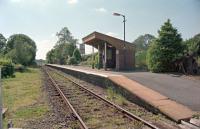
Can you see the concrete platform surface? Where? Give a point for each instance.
(162, 102)
(168, 107)
(180, 89)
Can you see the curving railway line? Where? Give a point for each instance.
(91, 110)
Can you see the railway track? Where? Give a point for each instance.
(91, 110)
(192, 124)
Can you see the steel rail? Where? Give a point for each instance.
(127, 113)
(191, 125)
(83, 125)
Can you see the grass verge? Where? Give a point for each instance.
(23, 97)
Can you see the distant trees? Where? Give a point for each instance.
(51, 56)
(193, 44)
(168, 52)
(65, 36)
(18, 48)
(65, 51)
(2, 44)
(165, 49)
(142, 44)
(16, 51)
(21, 49)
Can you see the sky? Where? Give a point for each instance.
(41, 19)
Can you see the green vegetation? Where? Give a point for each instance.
(21, 49)
(19, 68)
(16, 52)
(23, 97)
(7, 68)
(168, 52)
(77, 55)
(193, 44)
(2, 44)
(87, 60)
(72, 61)
(65, 51)
(142, 44)
(165, 49)
(115, 97)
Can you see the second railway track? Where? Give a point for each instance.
(92, 110)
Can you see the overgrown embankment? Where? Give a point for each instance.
(23, 97)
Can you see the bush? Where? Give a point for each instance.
(72, 61)
(154, 58)
(88, 61)
(97, 64)
(20, 68)
(86, 57)
(77, 55)
(7, 68)
(140, 59)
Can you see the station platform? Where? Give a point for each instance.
(163, 92)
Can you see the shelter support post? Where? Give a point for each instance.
(105, 56)
(93, 57)
(98, 57)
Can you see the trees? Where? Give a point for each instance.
(65, 36)
(142, 44)
(2, 43)
(165, 49)
(64, 49)
(51, 57)
(21, 49)
(193, 44)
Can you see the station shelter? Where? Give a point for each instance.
(113, 53)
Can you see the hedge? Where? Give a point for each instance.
(7, 68)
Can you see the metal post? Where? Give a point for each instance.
(124, 40)
(105, 56)
(1, 106)
(124, 29)
(124, 46)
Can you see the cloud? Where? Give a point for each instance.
(72, 1)
(16, 1)
(101, 10)
(112, 34)
(29, 3)
(44, 46)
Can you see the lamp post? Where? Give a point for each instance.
(124, 20)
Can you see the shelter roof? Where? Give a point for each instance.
(96, 38)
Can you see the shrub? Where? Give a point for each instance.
(20, 68)
(86, 57)
(154, 58)
(140, 59)
(88, 61)
(7, 68)
(77, 55)
(97, 64)
(72, 61)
